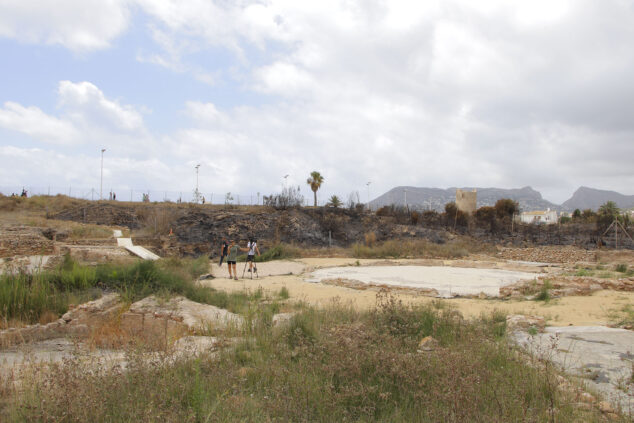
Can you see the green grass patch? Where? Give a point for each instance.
(26, 297)
(544, 292)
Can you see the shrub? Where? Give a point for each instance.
(370, 239)
(622, 268)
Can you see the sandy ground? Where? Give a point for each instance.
(578, 311)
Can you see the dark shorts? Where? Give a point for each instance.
(231, 262)
(250, 258)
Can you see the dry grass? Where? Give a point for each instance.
(419, 248)
(327, 365)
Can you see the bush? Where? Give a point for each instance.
(622, 268)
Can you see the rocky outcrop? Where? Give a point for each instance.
(24, 241)
(521, 322)
(152, 318)
(78, 321)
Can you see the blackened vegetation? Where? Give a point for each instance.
(200, 229)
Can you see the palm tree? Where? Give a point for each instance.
(334, 202)
(609, 209)
(315, 182)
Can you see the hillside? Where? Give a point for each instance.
(591, 198)
(436, 198)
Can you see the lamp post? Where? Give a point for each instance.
(286, 180)
(101, 185)
(196, 193)
(368, 185)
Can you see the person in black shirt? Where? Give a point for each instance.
(224, 251)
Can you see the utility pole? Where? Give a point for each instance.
(101, 185)
(368, 185)
(405, 194)
(286, 180)
(197, 194)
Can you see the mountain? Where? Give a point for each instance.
(590, 198)
(436, 198)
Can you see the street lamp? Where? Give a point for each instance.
(196, 193)
(286, 180)
(368, 184)
(101, 185)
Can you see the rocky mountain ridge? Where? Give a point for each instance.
(528, 198)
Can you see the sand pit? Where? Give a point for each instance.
(447, 281)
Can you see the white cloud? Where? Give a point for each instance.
(87, 102)
(77, 25)
(34, 122)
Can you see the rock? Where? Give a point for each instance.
(522, 322)
(175, 317)
(196, 344)
(605, 407)
(587, 398)
(427, 344)
(281, 319)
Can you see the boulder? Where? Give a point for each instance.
(522, 322)
(175, 317)
(427, 344)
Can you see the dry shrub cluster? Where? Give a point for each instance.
(157, 220)
(326, 365)
(417, 248)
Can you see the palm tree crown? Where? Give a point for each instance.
(315, 182)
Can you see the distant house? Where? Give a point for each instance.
(547, 217)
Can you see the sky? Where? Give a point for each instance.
(493, 93)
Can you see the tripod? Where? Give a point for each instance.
(255, 269)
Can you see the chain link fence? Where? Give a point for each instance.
(150, 195)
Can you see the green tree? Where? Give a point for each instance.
(334, 201)
(506, 207)
(609, 209)
(576, 214)
(315, 182)
(607, 213)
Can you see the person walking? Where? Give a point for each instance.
(231, 259)
(252, 248)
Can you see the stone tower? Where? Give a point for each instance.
(466, 201)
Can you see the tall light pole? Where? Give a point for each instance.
(286, 180)
(368, 185)
(101, 185)
(196, 193)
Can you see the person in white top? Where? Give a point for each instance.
(252, 247)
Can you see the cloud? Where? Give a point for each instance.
(80, 26)
(83, 100)
(34, 122)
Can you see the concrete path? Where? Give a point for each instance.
(126, 243)
(603, 357)
(447, 281)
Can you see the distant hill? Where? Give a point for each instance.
(590, 198)
(436, 198)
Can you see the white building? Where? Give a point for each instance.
(547, 217)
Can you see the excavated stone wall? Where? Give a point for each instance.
(24, 241)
